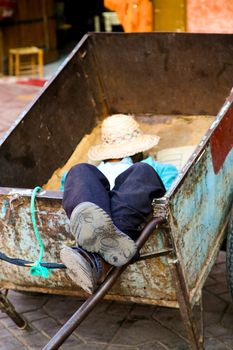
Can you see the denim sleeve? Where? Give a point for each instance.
(167, 172)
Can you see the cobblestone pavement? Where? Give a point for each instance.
(120, 326)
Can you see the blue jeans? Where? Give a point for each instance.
(128, 203)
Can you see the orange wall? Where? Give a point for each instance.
(210, 16)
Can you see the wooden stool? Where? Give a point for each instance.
(26, 61)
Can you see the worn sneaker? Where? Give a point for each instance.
(94, 231)
(84, 268)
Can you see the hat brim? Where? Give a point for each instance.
(140, 144)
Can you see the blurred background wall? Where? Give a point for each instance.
(210, 16)
(57, 25)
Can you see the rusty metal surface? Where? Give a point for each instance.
(200, 203)
(44, 136)
(46, 133)
(68, 328)
(171, 73)
(195, 333)
(146, 281)
(164, 73)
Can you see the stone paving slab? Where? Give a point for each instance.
(13, 99)
(120, 326)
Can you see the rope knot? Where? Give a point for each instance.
(37, 269)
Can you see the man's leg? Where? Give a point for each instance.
(132, 196)
(85, 183)
(87, 204)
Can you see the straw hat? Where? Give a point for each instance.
(121, 137)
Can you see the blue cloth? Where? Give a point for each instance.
(128, 203)
(63, 179)
(167, 172)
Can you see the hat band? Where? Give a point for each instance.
(120, 139)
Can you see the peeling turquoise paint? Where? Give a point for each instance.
(5, 206)
(199, 209)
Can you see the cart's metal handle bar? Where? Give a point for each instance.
(67, 329)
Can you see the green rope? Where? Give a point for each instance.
(37, 269)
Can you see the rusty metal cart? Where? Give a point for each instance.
(158, 76)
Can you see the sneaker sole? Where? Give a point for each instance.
(95, 232)
(78, 269)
